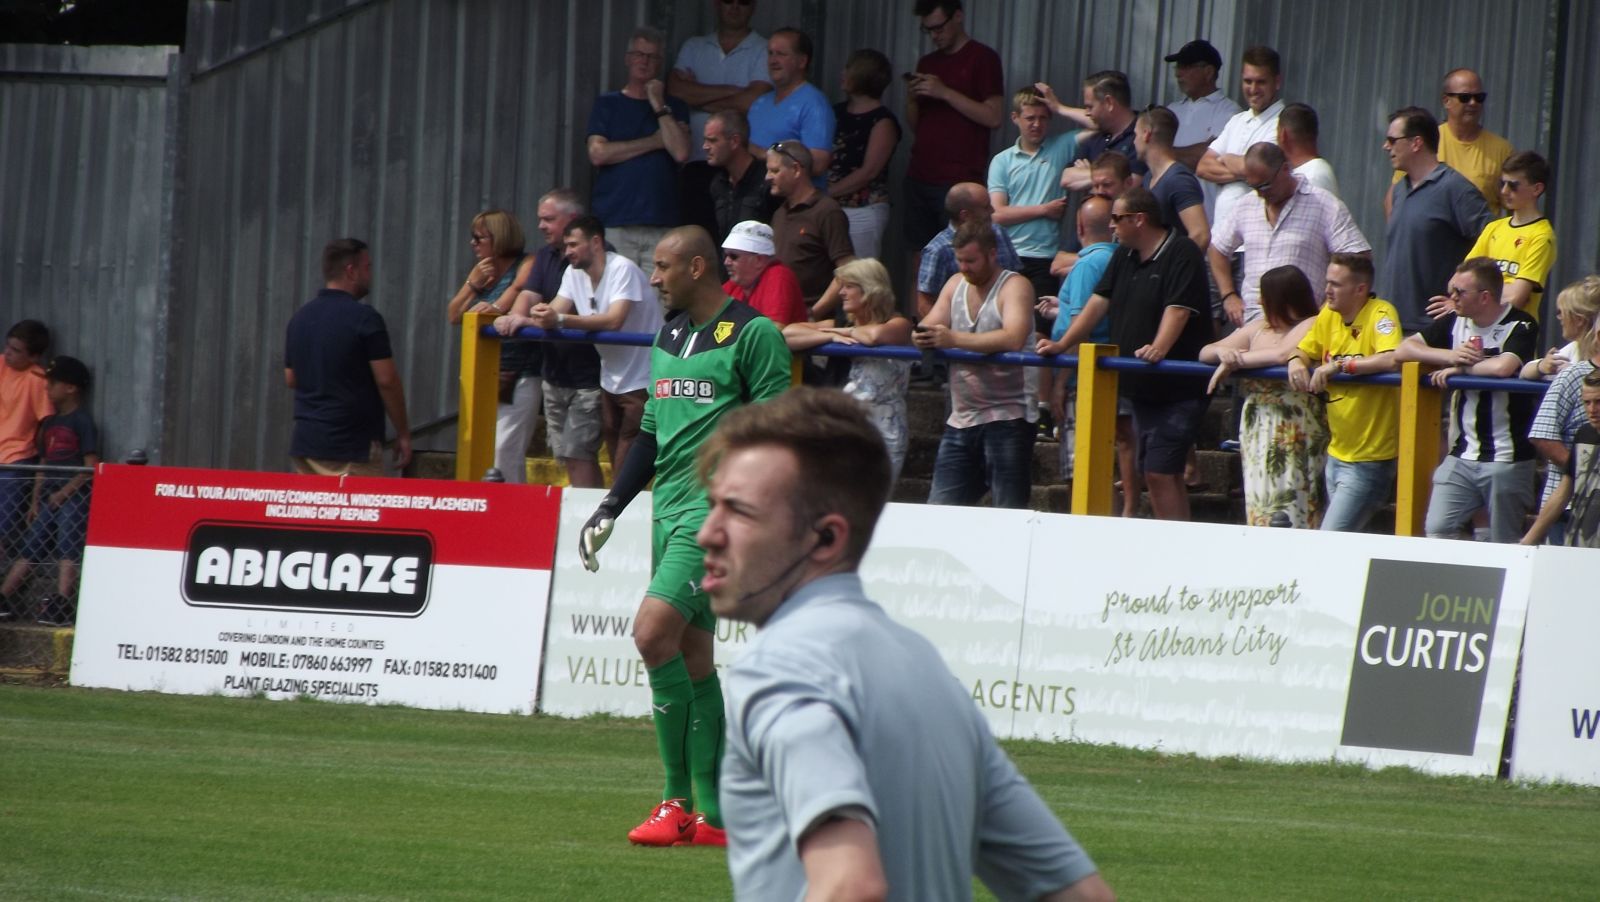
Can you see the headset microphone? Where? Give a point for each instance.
(825, 537)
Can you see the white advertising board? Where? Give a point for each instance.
(430, 594)
(1275, 644)
(1558, 705)
(920, 568)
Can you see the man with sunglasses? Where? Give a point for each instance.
(1437, 215)
(1464, 144)
(1491, 461)
(1284, 221)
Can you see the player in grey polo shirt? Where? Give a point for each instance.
(855, 758)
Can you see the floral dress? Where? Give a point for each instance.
(1283, 438)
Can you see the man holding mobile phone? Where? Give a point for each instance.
(954, 100)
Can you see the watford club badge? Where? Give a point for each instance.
(724, 329)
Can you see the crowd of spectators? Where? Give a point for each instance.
(1202, 230)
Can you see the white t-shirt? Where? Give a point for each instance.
(1317, 172)
(623, 368)
(1244, 129)
(1200, 122)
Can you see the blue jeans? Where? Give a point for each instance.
(997, 457)
(1461, 487)
(1355, 492)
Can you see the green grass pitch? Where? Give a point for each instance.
(107, 795)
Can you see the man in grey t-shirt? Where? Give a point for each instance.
(828, 781)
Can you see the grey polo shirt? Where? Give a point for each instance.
(1431, 228)
(835, 706)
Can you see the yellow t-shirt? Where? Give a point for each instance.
(1364, 419)
(1524, 251)
(1479, 161)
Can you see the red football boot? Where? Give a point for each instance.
(668, 825)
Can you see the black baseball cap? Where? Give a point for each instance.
(1196, 52)
(69, 370)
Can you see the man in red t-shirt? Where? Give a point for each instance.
(759, 278)
(955, 100)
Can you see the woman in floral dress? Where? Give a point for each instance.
(1283, 434)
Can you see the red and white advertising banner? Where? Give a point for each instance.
(1558, 705)
(419, 592)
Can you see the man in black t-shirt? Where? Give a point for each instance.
(1491, 460)
(1155, 292)
(337, 359)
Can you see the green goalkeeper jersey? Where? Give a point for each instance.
(698, 373)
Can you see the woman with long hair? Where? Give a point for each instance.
(1283, 434)
(878, 382)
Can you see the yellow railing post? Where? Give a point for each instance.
(1419, 448)
(1095, 446)
(480, 386)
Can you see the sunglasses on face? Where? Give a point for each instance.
(1122, 217)
(931, 30)
(1510, 184)
(1467, 97)
(478, 239)
(1391, 140)
(1262, 188)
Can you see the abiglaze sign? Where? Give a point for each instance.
(424, 593)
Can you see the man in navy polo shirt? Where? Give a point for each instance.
(337, 359)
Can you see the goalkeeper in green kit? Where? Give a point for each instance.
(713, 354)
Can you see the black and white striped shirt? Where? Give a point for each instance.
(1490, 426)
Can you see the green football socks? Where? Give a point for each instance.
(705, 746)
(671, 695)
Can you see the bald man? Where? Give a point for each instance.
(712, 354)
(964, 202)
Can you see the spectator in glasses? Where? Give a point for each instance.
(637, 138)
(1464, 144)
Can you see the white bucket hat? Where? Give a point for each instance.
(751, 237)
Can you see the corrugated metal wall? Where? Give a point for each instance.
(396, 120)
(82, 150)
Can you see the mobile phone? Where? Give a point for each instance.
(920, 328)
(910, 76)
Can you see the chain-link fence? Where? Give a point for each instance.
(44, 516)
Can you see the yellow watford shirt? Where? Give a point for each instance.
(1364, 419)
(1526, 251)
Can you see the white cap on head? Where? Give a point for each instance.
(751, 237)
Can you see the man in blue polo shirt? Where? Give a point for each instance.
(1437, 216)
(1025, 188)
(337, 359)
(795, 109)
